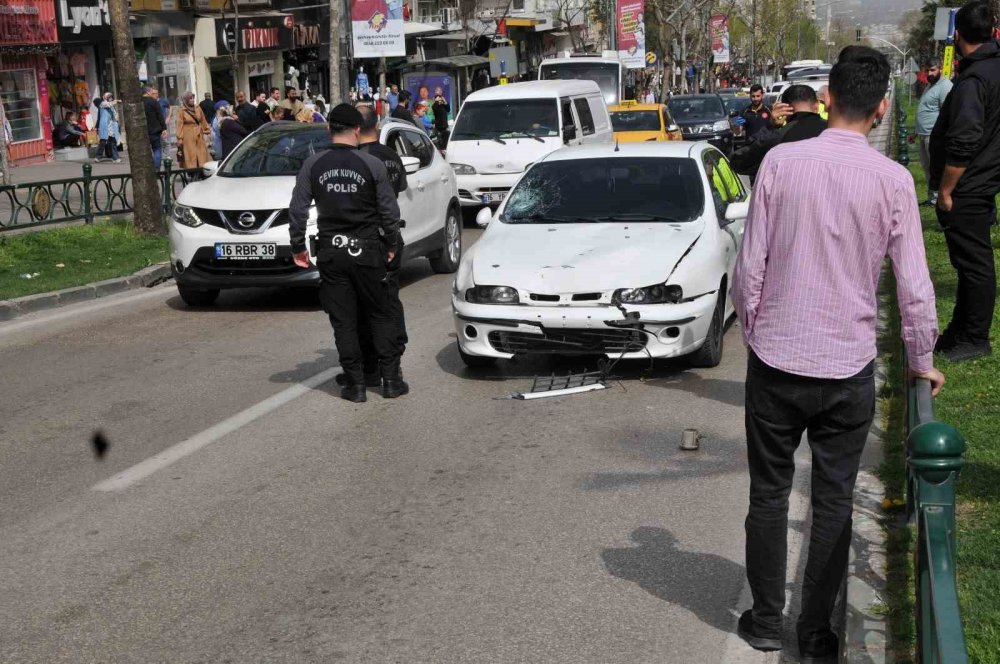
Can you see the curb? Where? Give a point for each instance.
(144, 278)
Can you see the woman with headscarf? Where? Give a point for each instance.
(231, 131)
(107, 130)
(191, 129)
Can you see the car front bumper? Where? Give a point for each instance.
(503, 331)
(472, 188)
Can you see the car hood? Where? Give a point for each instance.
(579, 258)
(637, 136)
(696, 121)
(489, 157)
(224, 193)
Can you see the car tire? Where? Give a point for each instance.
(475, 361)
(710, 353)
(198, 298)
(447, 259)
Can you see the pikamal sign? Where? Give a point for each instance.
(257, 33)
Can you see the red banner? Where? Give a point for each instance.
(631, 33)
(25, 22)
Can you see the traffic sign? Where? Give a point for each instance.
(650, 59)
(911, 66)
(910, 78)
(947, 60)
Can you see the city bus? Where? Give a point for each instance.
(605, 70)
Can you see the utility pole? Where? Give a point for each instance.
(336, 37)
(147, 205)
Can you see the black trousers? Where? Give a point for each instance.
(368, 352)
(967, 231)
(836, 414)
(352, 290)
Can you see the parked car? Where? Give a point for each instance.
(501, 131)
(703, 118)
(623, 251)
(231, 229)
(634, 122)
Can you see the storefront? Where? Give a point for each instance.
(247, 55)
(307, 63)
(82, 69)
(27, 35)
(163, 45)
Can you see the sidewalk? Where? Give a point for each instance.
(60, 170)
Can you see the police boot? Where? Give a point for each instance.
(354, 392)
(394, 386)
(372, 379)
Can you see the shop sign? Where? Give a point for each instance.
(262, 68)
(27, 22)
(257, 33)
(306, 35)
(83, 20)
(377, 28)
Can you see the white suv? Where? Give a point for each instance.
(231, 229)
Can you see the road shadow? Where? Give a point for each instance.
(324, 359)
(729, 392)
(689, 579)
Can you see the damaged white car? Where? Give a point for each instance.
(602, 250)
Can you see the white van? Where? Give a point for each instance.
(501, 131)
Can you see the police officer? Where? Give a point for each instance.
(356, 207)
(368, 142)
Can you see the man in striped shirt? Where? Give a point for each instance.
(824, 214)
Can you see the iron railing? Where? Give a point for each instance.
(86, 197)
(933, 460)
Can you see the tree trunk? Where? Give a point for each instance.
(336, 92)
(147, 204)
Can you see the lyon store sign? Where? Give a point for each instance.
(84, 20)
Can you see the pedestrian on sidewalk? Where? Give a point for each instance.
(191, 130)
(824, 214)
(965, 160)
(107, 130)
(928, 110)
(231, 131)
(207, 106)
(156, 127)
(400, 111)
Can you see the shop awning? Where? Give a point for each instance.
(412, 28)
(460, 61)
(162, 24)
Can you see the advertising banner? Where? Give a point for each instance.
(377, 28)
(631, 33)
(718, 33)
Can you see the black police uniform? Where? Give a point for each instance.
(357, 210)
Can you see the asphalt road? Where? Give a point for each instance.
(244, 514)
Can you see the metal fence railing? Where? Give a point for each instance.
(85, 197)
(933, 459)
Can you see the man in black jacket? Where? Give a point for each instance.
(356, 209)
(155, 126)
(246, 113)
(965, 163)
(756, 116)
(804, 123)
(401, 112)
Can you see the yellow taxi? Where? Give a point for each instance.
(633, 122)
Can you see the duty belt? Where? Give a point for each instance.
(354, 246)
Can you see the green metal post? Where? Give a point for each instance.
(168, 190)
(88, 217)
(904, 154)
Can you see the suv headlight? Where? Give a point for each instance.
(186, 216)
(492, 295)
(463, 169)
(721, 125)
(658, 294)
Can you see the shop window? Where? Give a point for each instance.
(19, 92)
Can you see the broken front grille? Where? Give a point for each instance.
(568, 342)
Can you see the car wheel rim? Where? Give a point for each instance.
(453, 238)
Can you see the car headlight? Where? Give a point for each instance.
(492, 295)
(186, 216)
(463, 169)
(659, 294)
(721, 125)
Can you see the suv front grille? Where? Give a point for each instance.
(568, 342)
(215, 218)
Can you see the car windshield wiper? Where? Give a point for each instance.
(637, 216)
(547, 218)
(475, 137)
(519, 134)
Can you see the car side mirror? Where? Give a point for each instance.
(737, 210)
(569, 133)
(484, 217)
(733, 114)
(209, 168)
(410, 164)
(673, 128)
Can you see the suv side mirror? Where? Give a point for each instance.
(569, 133)
(484, 217)
(737, 210)
(410, 164)
(672, 128)
(209, 168)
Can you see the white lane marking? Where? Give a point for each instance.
(78, 309)
(157, 462)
